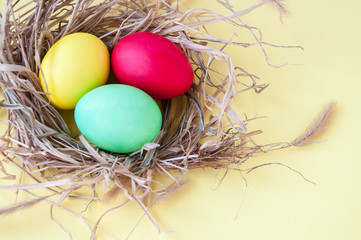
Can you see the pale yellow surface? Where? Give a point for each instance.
(277, 203)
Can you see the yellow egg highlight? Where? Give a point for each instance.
(73, 66)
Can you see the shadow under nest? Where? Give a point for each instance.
(200, 129)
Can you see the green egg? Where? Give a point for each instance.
(118, 118)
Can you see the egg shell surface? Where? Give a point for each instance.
(118, 118)
(73, 66)
(152, 63)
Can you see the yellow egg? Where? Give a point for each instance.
(73, 66)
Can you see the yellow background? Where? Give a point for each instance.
(276, 203)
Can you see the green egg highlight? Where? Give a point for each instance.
(118, 118)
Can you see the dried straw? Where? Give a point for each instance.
(317, 127)
(195, 132)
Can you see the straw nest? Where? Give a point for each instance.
(200, 129)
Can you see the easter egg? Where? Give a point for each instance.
(152, 63)
(118, 118)
(73, 66)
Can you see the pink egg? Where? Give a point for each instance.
(152, 63)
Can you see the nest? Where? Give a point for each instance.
(200, 129)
